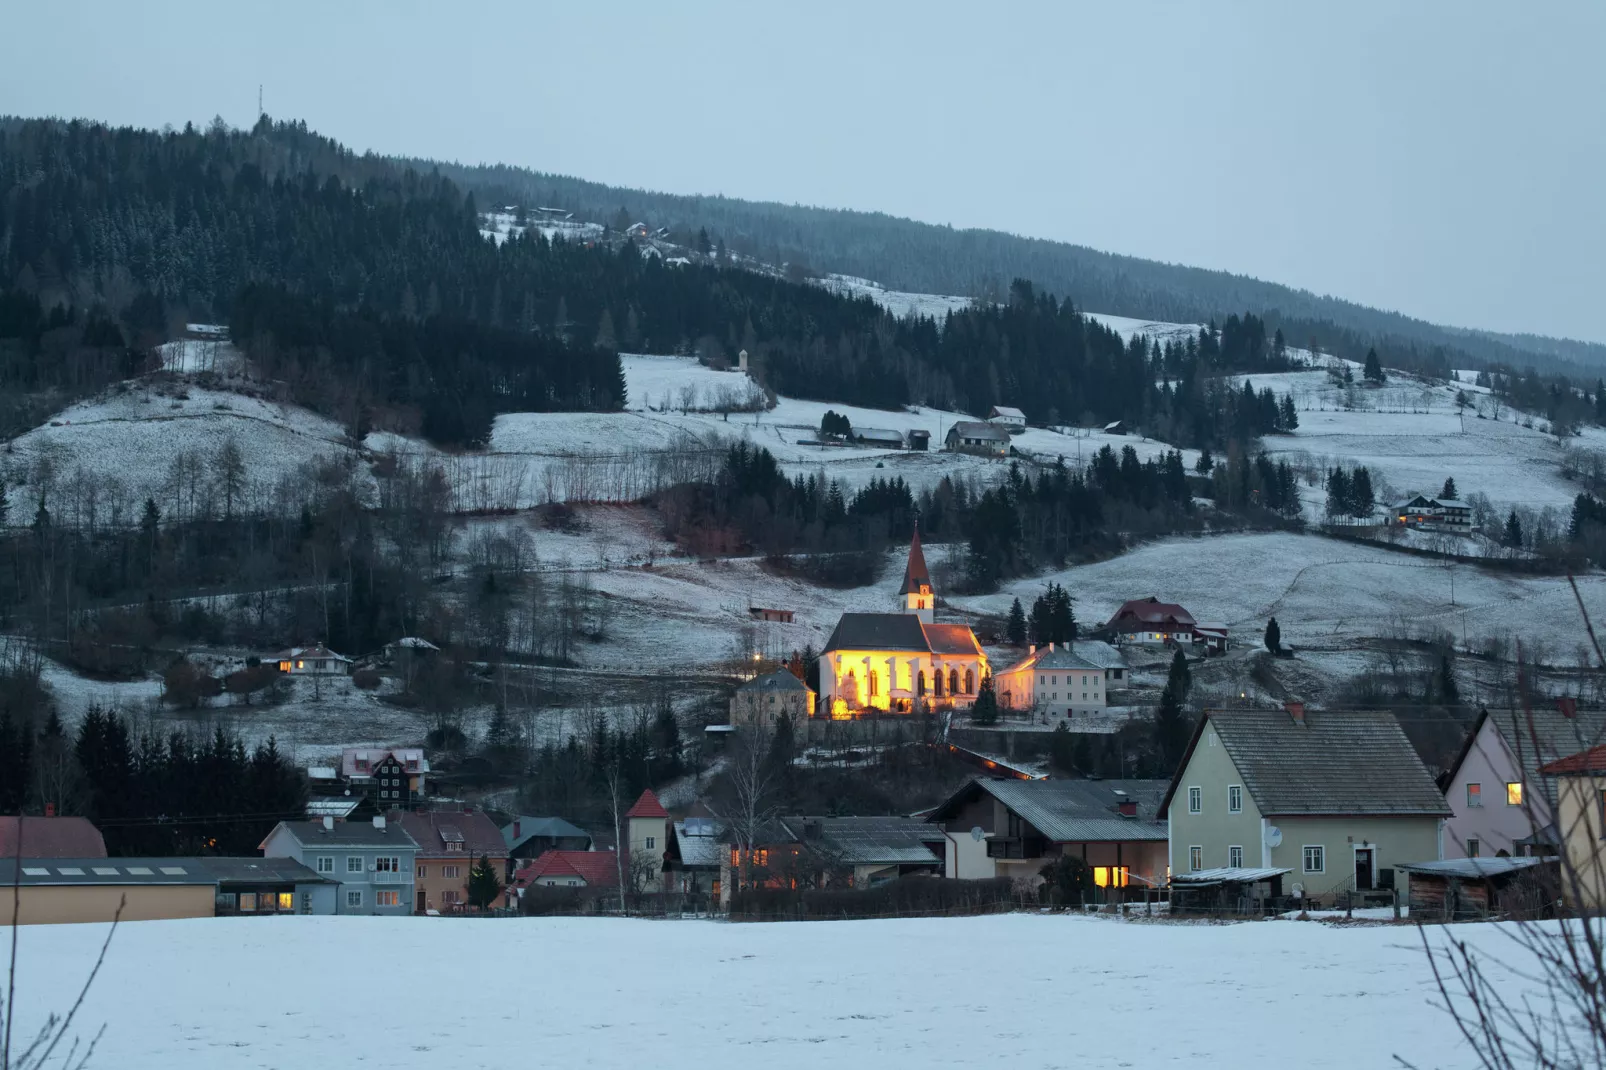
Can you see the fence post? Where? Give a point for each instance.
(1396, 904)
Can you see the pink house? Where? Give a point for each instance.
(1499, 801)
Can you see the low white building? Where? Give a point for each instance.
(311, 661)
(1005, 416)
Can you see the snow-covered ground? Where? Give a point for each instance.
(902, 305)
(1010, 990)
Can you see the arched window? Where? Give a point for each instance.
(875, 683)
(970, 682)
(936, 683)
(953, 682)
(920, 683)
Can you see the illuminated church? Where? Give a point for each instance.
(900, 662)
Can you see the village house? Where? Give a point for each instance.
(373, 863)
(1338, 798)
(310, 661)
(822, 852)
(392, 776)
(569, 869)
(764, 700)
(525, 838)
(96, 888)
(1581, 823)
(50, 837)
(698, 845)
(974, 436)
(880, 437)
(1499, 803)
(647, 834)
(1013, 828)
(1004, 416)
(449, 842)
(1151, 622)
(900, 662)
(1435, 514)
(1061, 680)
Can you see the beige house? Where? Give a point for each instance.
(1059, 680)
(450, 842)
(93, 889)
(647, 832)
(1339, 799)
(764, 700)
(1581, 824)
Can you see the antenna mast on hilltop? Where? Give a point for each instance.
(259, 100)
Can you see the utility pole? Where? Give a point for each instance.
(259, 100)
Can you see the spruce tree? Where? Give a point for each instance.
(1449, 489)
(3, 507)
(1015, 629)
(1170, 731)
(1374, 368)
(1205, 462)
(483, 884)
(1289, 415)
(1362, 501)
(1512, 536)
(1274, 636)
(1179, 681)
(985, 709)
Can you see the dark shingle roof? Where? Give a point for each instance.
(555, 827)
(1351, 762)
(877, 631)
(779, 680)
(1075, 811)
(348, 834)
(1550, 735)
(866, 840)
(51, 837)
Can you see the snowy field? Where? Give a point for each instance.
(902, 305)
(1012, 990)
(1322, 591)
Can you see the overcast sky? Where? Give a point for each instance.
(1446, 160)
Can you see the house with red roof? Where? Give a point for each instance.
(647, 833)
(50, 837)
(570, 869)
(1580, 781)
(1155, 623)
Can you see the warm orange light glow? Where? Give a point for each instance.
(1110, 876)
(1514, 794)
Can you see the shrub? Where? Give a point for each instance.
(367, 679)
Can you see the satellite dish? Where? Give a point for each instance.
(1274, 836)
(977, 834)
(1299, 891)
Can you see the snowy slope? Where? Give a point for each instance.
(902, 305)
(1010, 990)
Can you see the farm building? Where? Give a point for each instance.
(1005, 416)
(973, 436)
(311, 661)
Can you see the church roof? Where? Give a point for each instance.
(915, 572)
(950, 639)
(877, 631)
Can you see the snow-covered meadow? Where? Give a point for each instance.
(1011, 990)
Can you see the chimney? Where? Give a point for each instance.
(1296, 710)
(50, 809)
(328, 823)
(1051, 648)
(1032, 649)
(515, 828)
(379, 822)
(1127, 807)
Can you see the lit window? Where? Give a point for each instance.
(287, 900)
(1196, 858)
(1110, 876)
(1235, 799)
(1315, 859)
(1473, 847)
(248, 901)
(353, 863)
(1474, 794)
(387, 899)
(301, 664)
(1235, 857)
(1514, 794)
(1195, 800)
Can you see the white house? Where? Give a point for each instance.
(1008, 417)
(1059, 680)
(373, 862)
(311, 661)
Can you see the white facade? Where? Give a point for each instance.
(1057, 682)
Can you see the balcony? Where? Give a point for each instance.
(1019, 847)
(384, 876)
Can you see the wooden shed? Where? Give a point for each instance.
(1456, 889)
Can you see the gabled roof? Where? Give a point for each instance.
(50, 837)
(596, 868)
(648, 806)
(313, 652)
(1535, 737)
(1005, 410)
(374, 755)
(779, 680)
(1590, 762)
(877, 631)
(1151, 611)
(474, 832)
(211, 869)
(866, 840)
(345, 834)
(978, 430)
(950, 639)
(915, 572)
(1072, 811)
(530, 827)
(1054, 656)
(699, 841)
(1350, 762)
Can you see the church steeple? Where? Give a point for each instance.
(918, 597)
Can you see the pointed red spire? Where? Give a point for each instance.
(915, 573)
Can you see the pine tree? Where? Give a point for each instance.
(985, 709)
(1015, 629)
(1205, 462)
(3, 507)
(1449, 489)
(1179, 681)
(1062, 749)
(1449, 693)
(1374, 368)
(1274, 636)
(483, 884)
(1338, 493)
(1362, 501)
(1170, 731)
(1288, 414)
(1512, 536)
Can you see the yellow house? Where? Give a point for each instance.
(1581, 826)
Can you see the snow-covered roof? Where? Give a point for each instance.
(1472, 868)
(1008, 411)
(1227, 875)
(413, 642)
(321, 772)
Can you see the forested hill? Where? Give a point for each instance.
(905, 255)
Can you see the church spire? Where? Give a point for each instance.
(918, 597)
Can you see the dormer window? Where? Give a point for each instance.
(362, 765)
(412, 765)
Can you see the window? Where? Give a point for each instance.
(875, 683)
(421, 872)
(354, 863)
(1473, 847)
(362, 765)
(1041, 679)
(1195, 858)
(1514, 793)
(449, 896)
(248, 901)
(1235, 799)
(1235, 857)
(225, 900)
(326, 863)
(391, 898)
(287, 900)
(412, 765)
(1474, 794)
(1315, 859)
(450, 872)
(391, 864)
(650, 841)
(1110, 876)
(354, 897)
(1195, 800)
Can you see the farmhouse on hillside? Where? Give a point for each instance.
(1339, 798)
(1006, 417)
(1436, 514)
(1012, 828)
(311, 661)
(900, 662)
(974, 436)
(1152, 622)
(1499, 803)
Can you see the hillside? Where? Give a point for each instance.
(904, 255)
